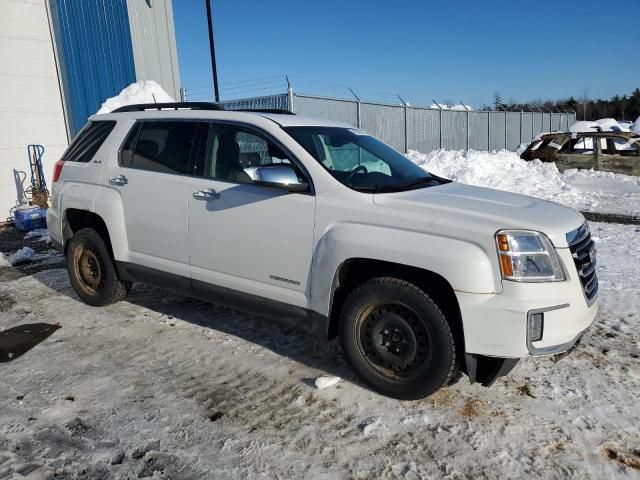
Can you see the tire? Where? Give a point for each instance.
(92, 272)
(397, 339)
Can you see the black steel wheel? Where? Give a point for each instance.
(397, 339)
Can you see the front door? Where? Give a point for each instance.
(579, 152)
(248, 238)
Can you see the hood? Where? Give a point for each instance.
(484, 210)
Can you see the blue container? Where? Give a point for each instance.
(29, 218)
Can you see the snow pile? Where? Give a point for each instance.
(24, 255)
(36, 233)
(503, 170)
(28, 255)
(444, 106)
(635, 127)
(42, 234)
(4, 260)
(144, 91)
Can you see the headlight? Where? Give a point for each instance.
(527, 256)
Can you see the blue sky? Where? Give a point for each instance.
(457, 50)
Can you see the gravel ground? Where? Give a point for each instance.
(164, 386)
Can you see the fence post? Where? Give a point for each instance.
(468, 129)
(358, 123)
(406, 131)
(440, 124)
(521, 125)
(505, 129)
(289, 95)
(533, 122)
(488, 130)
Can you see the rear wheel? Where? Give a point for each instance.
(397, 339)
(91, 270)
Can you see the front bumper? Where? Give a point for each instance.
(496, 324)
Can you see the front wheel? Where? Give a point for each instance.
(91, 270)
(397, 339)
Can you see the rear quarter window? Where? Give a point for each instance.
(88, 141)
(163, 146)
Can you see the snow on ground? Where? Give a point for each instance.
(28, 255)
(170, 387)
(143, 91)
(604, 192)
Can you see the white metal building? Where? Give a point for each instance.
(55, 57)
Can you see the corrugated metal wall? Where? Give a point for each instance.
(93, 44)
(154, 43)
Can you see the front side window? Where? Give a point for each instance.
(579, 146)
(361, 161)
(234, 154)
(163, 146)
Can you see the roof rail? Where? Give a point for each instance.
(141, 107)
(278, 111)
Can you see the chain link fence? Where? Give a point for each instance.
(407, 127)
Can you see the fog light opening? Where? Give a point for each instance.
(536, 326)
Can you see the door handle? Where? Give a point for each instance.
(118, 180)
(208, 194)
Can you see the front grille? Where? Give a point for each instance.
(583, 252)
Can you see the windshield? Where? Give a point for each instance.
(361, 161)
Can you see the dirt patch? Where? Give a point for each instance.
(444, 397)
(472, 408)
(524, 389)
(12, 239)
(630, 459)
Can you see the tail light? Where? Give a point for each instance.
(57, 170)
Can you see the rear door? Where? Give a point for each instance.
(152, 178)
(245, 237)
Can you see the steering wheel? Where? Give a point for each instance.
(359, 168)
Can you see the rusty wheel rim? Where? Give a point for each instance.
(89, 269)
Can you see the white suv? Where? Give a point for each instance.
(320, 225)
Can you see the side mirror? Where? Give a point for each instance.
(280, 176)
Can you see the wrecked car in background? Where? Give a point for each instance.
(617, 152)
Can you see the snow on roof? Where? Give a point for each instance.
(143, 91)
(584, 126)
(611, 125)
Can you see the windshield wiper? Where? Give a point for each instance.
(417, 182)
(403, 186)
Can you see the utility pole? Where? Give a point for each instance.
(213, 51)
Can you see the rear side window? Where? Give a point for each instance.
(163, 146)
(88, 141)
